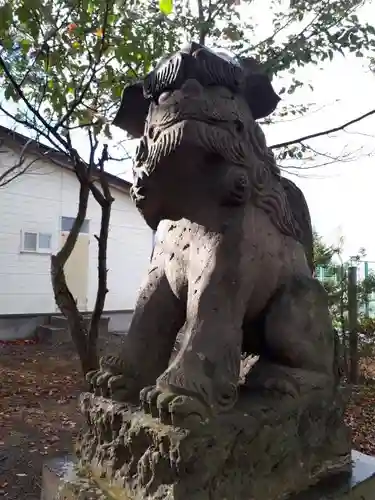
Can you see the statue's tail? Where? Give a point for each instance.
(301, 214)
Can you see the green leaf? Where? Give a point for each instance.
(25, 46)
(11, 93)
(5, 16)
(166, 7)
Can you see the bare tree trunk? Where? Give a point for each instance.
(202, 23)
(63, 297)
(85, 339)
(105, 200)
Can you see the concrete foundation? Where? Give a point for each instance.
(20, 328)
(61, 480)
(26, 327)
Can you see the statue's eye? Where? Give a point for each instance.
(163, 97)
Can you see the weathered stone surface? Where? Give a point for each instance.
(264, 449)
(61, 482)
(232, 274)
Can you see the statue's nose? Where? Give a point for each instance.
(192, 87)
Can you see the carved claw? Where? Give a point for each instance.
(111, 381)
(172, 408)
(90, 376)
(148, 398)
(180, 410)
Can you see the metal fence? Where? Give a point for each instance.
(334, 274)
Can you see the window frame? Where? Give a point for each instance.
(85, 229)
(38, 249)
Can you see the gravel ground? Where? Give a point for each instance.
(39, 385)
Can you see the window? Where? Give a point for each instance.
(36, 242)
(67, 224)
(30, 242)
(45, 240)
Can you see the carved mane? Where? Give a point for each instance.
(249, 150)
(270, 195)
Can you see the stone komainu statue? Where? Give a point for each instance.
(231, 273)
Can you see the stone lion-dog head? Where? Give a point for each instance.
(194, 113)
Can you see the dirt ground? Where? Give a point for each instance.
(39, 385)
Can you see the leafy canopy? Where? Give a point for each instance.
(71, 58)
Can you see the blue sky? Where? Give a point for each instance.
(341, 196)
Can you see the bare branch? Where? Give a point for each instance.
(26, 123)
(324, 132)
(30, 107)
(102, 251)
(20, 167)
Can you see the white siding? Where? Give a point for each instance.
(129, 245)
(36, 201)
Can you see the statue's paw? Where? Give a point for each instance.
(173, 408)
(109, 382)
(111, 362)
(91, 377)
(98, 380)
(181, 410)
(148, 398)
(120, 388)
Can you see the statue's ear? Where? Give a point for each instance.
(133, 110)
(259, 93)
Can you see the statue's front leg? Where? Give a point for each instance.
(147, 348)
(203, 378)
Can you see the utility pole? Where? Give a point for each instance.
(353, 324)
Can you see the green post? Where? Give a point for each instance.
(353, 325)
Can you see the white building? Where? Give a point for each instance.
(36, 213)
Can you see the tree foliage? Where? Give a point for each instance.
(64, 52)
(335, 282)
(71, 58)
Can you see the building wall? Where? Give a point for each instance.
(35, 202)
(129, 245)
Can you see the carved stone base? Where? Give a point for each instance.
(62, 480)
(266, 448)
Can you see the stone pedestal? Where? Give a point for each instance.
(63, 480)
(267, 448)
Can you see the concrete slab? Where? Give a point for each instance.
(19, 328)
(62, 481)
